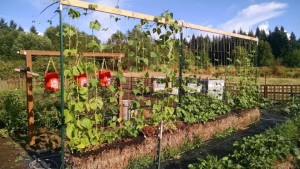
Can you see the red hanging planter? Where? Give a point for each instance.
(51, 81)
(104, 77)
(81, 79)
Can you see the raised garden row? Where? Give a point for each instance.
(119, 153)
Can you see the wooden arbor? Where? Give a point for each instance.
(29, 54)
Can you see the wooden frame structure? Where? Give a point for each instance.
(131, 14)
(29, 54)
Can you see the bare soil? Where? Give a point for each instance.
(12, 155)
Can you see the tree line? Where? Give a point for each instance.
(274, 47)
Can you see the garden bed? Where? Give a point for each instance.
(118, 154)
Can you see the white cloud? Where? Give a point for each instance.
(253, 15)
(264, 26)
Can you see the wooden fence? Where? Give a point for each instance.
(18, 84)
(279, 92)
(273, 92)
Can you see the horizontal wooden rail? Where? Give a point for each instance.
(57, 53)
(131, 14)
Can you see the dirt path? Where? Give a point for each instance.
(222, 147)
(12, 155)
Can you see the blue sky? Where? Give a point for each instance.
(220, 14)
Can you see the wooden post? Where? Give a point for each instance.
(30, 113)
(119, 84)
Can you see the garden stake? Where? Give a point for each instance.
(62, 89)
(159, 144)
(180, 72)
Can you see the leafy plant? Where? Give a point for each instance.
(215, 163)
(198, 108)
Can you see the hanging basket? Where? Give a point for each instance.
(81, 79)
(104, 77)
(51, 81)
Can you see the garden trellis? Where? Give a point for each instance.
(220, 47)
(29, 90)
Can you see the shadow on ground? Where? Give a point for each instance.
(222, 147)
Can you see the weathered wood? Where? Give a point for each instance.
(32, 73)
(131, 14)
(57, 53)
(30, 113)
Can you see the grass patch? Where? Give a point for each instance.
(171, 152)
(225, 133)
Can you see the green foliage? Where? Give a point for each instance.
(225, 133)
(13, 111)
(264, 52)
(259, 151)
(142, 162)
(14, 115)
(293, 60)
(163, 110)
(211, 162)
(246, 94)
(31, 41)
(198, 108)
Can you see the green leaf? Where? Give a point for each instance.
(158, 31)
(112, 88)
(80, 146)
(136, 91)
(113, 100)
(69, 130)
(73, 13)
(153, 54)
(97, 117)
(75, 71)
(68, 116)
(146, 61)
(67, 73)
(94, 82)
(131, 54)
(130, 42)
(83, 90)
(148, 103)
(95, 25)
(86, 123)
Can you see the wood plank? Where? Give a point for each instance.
(57, 53)
(32, 73)
(30, 113)
(131, 14)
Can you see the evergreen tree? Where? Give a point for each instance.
(279, 43)
(12, 25)
(33, 30)
(3, 24)
(294, 59)
(264, 52)
(250, 33)
(20, 29)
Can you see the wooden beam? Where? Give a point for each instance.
(91, 54)
(32, 73)
(131, 14)
(30, 113)
(57, 53)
